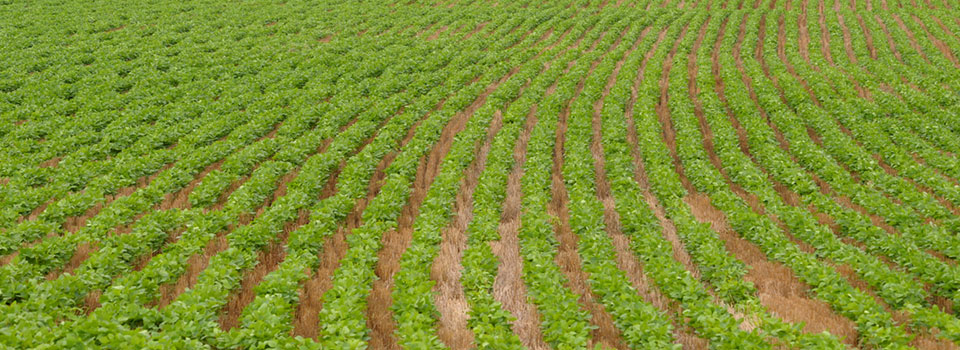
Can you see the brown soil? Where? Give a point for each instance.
(786, 194)
(779, 290)
(450, 299)
(181, 198)
(669, 230)
(894, 172)
(847, 40)
(911, 37)
(943, 27)
(270, 258)
(868, 36)
(804, 33)
(196, 264)
(890, 42)
(824, 34)
(567, 258)
(170, 201)
(923, 340)
(421, 31)
(508, 286)
(781, 52)
(663, 107)
(626, 260)
(475, 30)
(379, 316)
(720, 88)
(50, 163)
(35, 213)
(74, 223)
(436, 34)
(944, 49)
(306, 318)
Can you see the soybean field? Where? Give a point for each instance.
(430, 174)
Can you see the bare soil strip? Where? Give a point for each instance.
(781, 52)
(804, 37)
(270, 258)
(508, 286)
(925, 340)
(379, 316)
(669, 230)
(198, 262)
(446, 269)
(868, 36)
(912, 38)
(779, 290)
(944, 49)
(890, 42)
(788, 196)
(847, 40)
(436, 34)
(824, 33)
(475, 30)
(626, 260)
(306, 317)
(568, 259)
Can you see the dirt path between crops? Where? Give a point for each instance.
(508, 286)
(847, 39)
(781, 52)
(890, 41)
(842, 200)
(625, 259)
(792, 199)
(86, 249)
(271, 256)
(911, 37)
(379, 316)
(567, 257)
(824, 33)
(669, 229)
(778, 288)
(944, 49)
(450, 301)
(685, 335)
(865, 95)
(788, 195)
(198, 262)
(804, 37)
(868, 36)
(306, 318)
